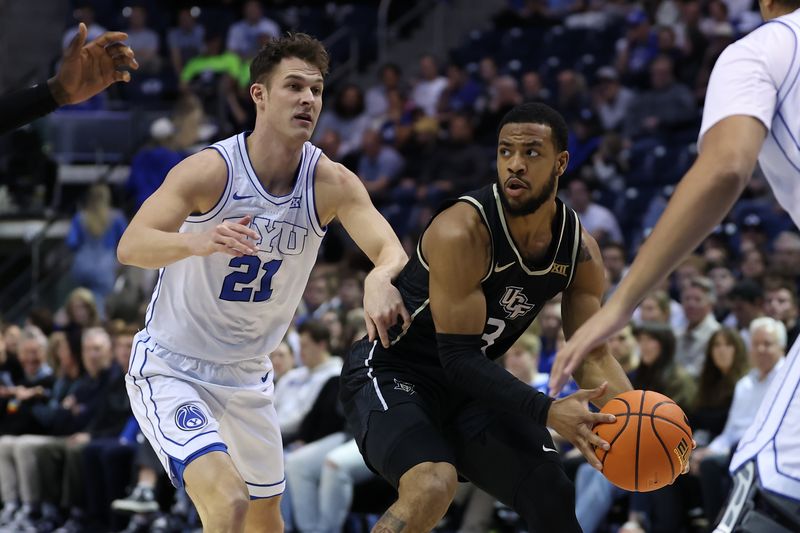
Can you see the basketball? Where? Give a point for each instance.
(650, 441)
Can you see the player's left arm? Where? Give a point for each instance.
(580, 301)
(341, 195)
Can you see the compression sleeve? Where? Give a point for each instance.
(20, 107)
(470, 370)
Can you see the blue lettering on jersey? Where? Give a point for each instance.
(189, 417)
(236, 287)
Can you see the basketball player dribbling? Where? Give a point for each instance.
(234, 230)
(752, 113)
(434, 406)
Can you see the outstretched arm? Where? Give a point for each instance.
(342, 195)
(85, 71)
(579, 302)
(701, 200)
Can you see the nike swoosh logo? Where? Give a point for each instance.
(264, 379)
(546, 449)
(237, 197)
(498, 268)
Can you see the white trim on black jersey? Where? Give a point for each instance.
(502, 217)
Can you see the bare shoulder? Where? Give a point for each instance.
(458, 235)
(332, 175)
(590, 273)
(590, 250)
(201, 177)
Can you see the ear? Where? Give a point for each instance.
(259, 93)
(562, 160)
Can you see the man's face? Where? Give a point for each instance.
(294, 99)
(614, 260)
(765, 350)
(622, 344)
(520, 362)
(551, 320)
(528, 167)
(696, 304)
(31, 356)
(780, 305)
(96, 353)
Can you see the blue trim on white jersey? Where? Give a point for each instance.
(226, 192)
(251, 174)
(311, 197)
(756, 434)
(155, 298)
(155, 411)
(791, 64)
(141, 392)
(266, 484)
(177, 467)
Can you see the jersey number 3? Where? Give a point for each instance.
(236, 286)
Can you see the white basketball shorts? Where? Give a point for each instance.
(188, 407)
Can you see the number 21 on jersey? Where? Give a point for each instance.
(240, 285)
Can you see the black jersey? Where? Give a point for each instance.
(515, 292)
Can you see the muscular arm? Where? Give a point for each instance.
(341, 195)
(579, 302)
(457, 250)
(193, 186)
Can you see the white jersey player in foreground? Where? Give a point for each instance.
(752, 112)
(234, 230)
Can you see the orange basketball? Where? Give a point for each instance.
(650, 441)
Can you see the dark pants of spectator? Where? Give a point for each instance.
(716, 483)
(664, 509)
(107, 467)
(62, 479)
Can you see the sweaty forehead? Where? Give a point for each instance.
(525, 133)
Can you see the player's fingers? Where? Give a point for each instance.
(600, 418)
(383, 334)
(598, 392)
(371, 331)
(77, 42)
(122, 76)
(239, 246)
(242, 230)
(405, 315)
(589, 453)
(110, 37)
(597, 441)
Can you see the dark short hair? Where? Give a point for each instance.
(538, 113)
(299, 45)
(317, 330)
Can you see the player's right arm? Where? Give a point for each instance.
(193, 186)
(457, 249)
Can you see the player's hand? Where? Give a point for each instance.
(89, 69)
(228, 238)
(382, 305)
(589, 336)
(571, 418)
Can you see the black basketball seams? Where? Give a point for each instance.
(638, 438)
(621, 430)
(666, 451)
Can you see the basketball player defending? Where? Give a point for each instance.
(235, 231)
(752, 113)
(434, 405)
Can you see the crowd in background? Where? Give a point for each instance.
(711, 338)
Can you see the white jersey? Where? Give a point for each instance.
(223, 308)
(759, 76)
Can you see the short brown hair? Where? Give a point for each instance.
(299, 45)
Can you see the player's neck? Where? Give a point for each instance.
(533, 232)
(274, 160)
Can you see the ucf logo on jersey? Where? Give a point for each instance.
(515, 303)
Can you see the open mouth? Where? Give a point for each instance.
(515, 184)
(303, 117)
